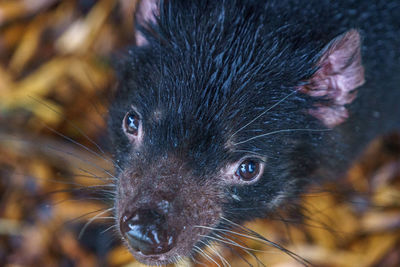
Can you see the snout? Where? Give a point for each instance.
(147, 231)
(159, 211)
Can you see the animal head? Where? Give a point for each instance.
(217, 113)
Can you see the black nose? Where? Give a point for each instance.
(147, 231)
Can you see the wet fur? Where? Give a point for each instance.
(210, 67)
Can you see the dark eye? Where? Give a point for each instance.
(248, 169)
(132, 123)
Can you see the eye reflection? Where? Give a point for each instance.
(131, 123)
(248, 170)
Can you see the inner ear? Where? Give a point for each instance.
(339, 73)
(146, 13)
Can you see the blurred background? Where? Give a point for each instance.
(56, 190)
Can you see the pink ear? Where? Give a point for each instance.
(146, 13)
(339, 72)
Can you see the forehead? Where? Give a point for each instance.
(174, 130)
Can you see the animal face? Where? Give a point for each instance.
(208, 122)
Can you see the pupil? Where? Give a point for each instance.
(248, 170)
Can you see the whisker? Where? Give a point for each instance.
(257, 237)
(247, 250)
(263, 240)
(79, 185)
(223, 260)
(77, 199)
(264, 112)
(109, 228)
(297, 222)
(83, 160)
(229, 242)
(58, 181)
(91, 177)
(82, 146)
(92, 220)
(98, 96)
(243, 258)
(104, 179)
(80, 189)
(63, 152)
(204, 254)
(250, 152)
(196, 261)
(84, 215)
(281, 131)
(105, 194)
(70, 123)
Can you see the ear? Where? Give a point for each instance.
(339, 73)
(145, 14)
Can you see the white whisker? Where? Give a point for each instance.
(223, 260)
(109, 228)
(264, 112)
(281, 131)
(204, 254)
(92, 220)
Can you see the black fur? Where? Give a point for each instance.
(210, 67)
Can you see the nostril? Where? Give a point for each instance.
(147, 231)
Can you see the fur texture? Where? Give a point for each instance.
(217, 81)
